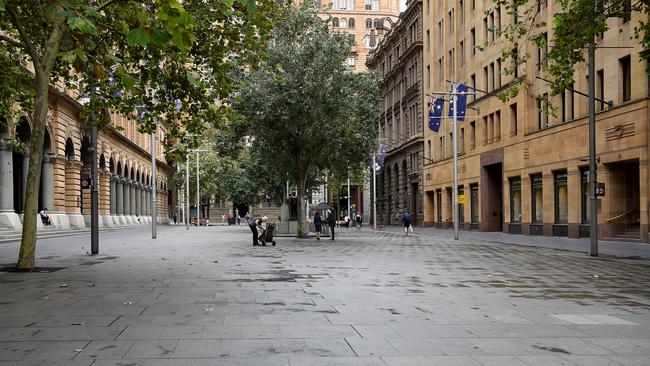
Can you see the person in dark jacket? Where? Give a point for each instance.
(257, 223)
(331, 221)
(406, 220)
(318, 224)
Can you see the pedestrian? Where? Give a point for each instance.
(331, 221)
(45, 218)
(406, 219)
(256, 228)
(223, 218)
(229, 218)
(175, 218)
(237, 217)
(247, 217)
(347, 221)
(359, 220)
(318, 224)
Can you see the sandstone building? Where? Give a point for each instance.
(124, 161)
(398, 60)
(521, 169)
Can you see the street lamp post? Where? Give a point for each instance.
(198, 199)
(154, 184)
(187, 195)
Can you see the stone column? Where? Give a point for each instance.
(126, 197)
(132, 198)
(72, 193)
(113, 190)
(149, 202)
(119, 196)
(47, 180)
(8, 217)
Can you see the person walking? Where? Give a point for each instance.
(331, 221)
(247, 217)
(223, 218)
(347, 221)
(318, 224)
(255, 225)
(237, 217)
(406, 219)
(359, 220)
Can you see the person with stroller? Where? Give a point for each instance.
(318, 224)
(256, 228)
(331, 221)
(406, 219)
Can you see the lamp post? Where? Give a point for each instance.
(154, 184)
(94, 186)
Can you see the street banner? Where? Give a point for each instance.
(435, 113)
(461, 102)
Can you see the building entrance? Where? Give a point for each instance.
(414, 203)
(492, 197)
(624, 197)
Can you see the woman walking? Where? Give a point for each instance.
(318, 224)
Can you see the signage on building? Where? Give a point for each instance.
(600, 189)
(461, 199)
(85, 182)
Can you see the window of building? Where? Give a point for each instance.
(536, 196)
(571, 102)
(513, 119)
(368, 4)
(491, 84)
(428, 76)
(497, 17)
(441, 66)
(497, 126)
(473, 4)
(462, 12)
(335, 22)
(561, 197)
(462, 52)
(343, 23)
(368, 23)
(627, 10)
(351, 23)
(491, 27)
(451, 62)
(462, 140)
(472, 135)
(428, 6)
(439, 205)
(429, 152)
(472, 38)
(351, 61)
(497, 74)
(461, 207)
(442, 147)
(353, 40)
(542, 112)
(440, 32)
(473, 82)
(542, 50)
(485, 130)
(451, 21)
(515, 199)
(474, 202)
(377, 23)
(626, 77)
(600, 89)
(486, 79)
(375, 5)
(485, 30)
(584, 195)
(428, 41)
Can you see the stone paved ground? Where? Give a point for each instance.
(209, 298)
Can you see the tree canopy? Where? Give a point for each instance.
(307, 112)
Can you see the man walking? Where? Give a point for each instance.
(406, 219)
(331, 221)
(255, 225)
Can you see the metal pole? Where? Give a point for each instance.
(198, 204)
(187, 195)
(349, 212)
(154, 184)
(593, 208)
(374, 192)
(94, 194)
(455, 152)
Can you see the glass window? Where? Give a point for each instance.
(377, 23)
(368, 4)
(515, 199)
(351, 23)
(561, 197)
(368, 23)
(626, 77)
(584, 195)
(461, 207)
(439, 205)
(335, 22)
(536, 198)
(474, 202)
(375, 5)
(343, 23)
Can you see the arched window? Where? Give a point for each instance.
(335, 22)
(368, 23)
(351, 23)
(377, 23)
(344, 23)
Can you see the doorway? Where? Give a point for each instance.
(492, 197)
(624, 197)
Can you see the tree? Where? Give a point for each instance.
(307, 112)
(170, 59)
(574, 27)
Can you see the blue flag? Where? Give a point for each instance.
(435, 113)
(461, 103)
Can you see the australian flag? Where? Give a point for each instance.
(435, 113)
(461, 102)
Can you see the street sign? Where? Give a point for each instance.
(461, 199)
(600, 189)
(85, 182)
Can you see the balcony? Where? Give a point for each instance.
(412, 90)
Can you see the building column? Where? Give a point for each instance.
(143, 209)
(125, 196)
(72, 198)
(8, 217)
(574, 202)
(113, 189)
(132, 198)
(47, 181)
(119, 196)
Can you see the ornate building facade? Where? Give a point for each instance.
(398, 60)
(125, 174)
(524, 170)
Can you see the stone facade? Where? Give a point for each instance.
(522, 170)
(362, 19)
(398, 59)
(125, 181)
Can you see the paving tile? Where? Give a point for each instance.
(372, 347)
(105, 350)
(431, 360)
(152, 349)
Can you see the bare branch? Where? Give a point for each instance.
(29, 46)
(11, 41)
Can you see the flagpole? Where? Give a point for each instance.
(455, 148)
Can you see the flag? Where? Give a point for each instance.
(435, 113)
(461, 102)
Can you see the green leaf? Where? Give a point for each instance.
(193, 78)
(92, 12)
(128, 81)
(160, 36)
(137, 36)
(2, 5)
(82, 24)
(229, 2)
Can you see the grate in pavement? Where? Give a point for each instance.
(13, 269)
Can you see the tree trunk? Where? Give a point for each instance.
(301, 227)
(43, 69)
(26, 257)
